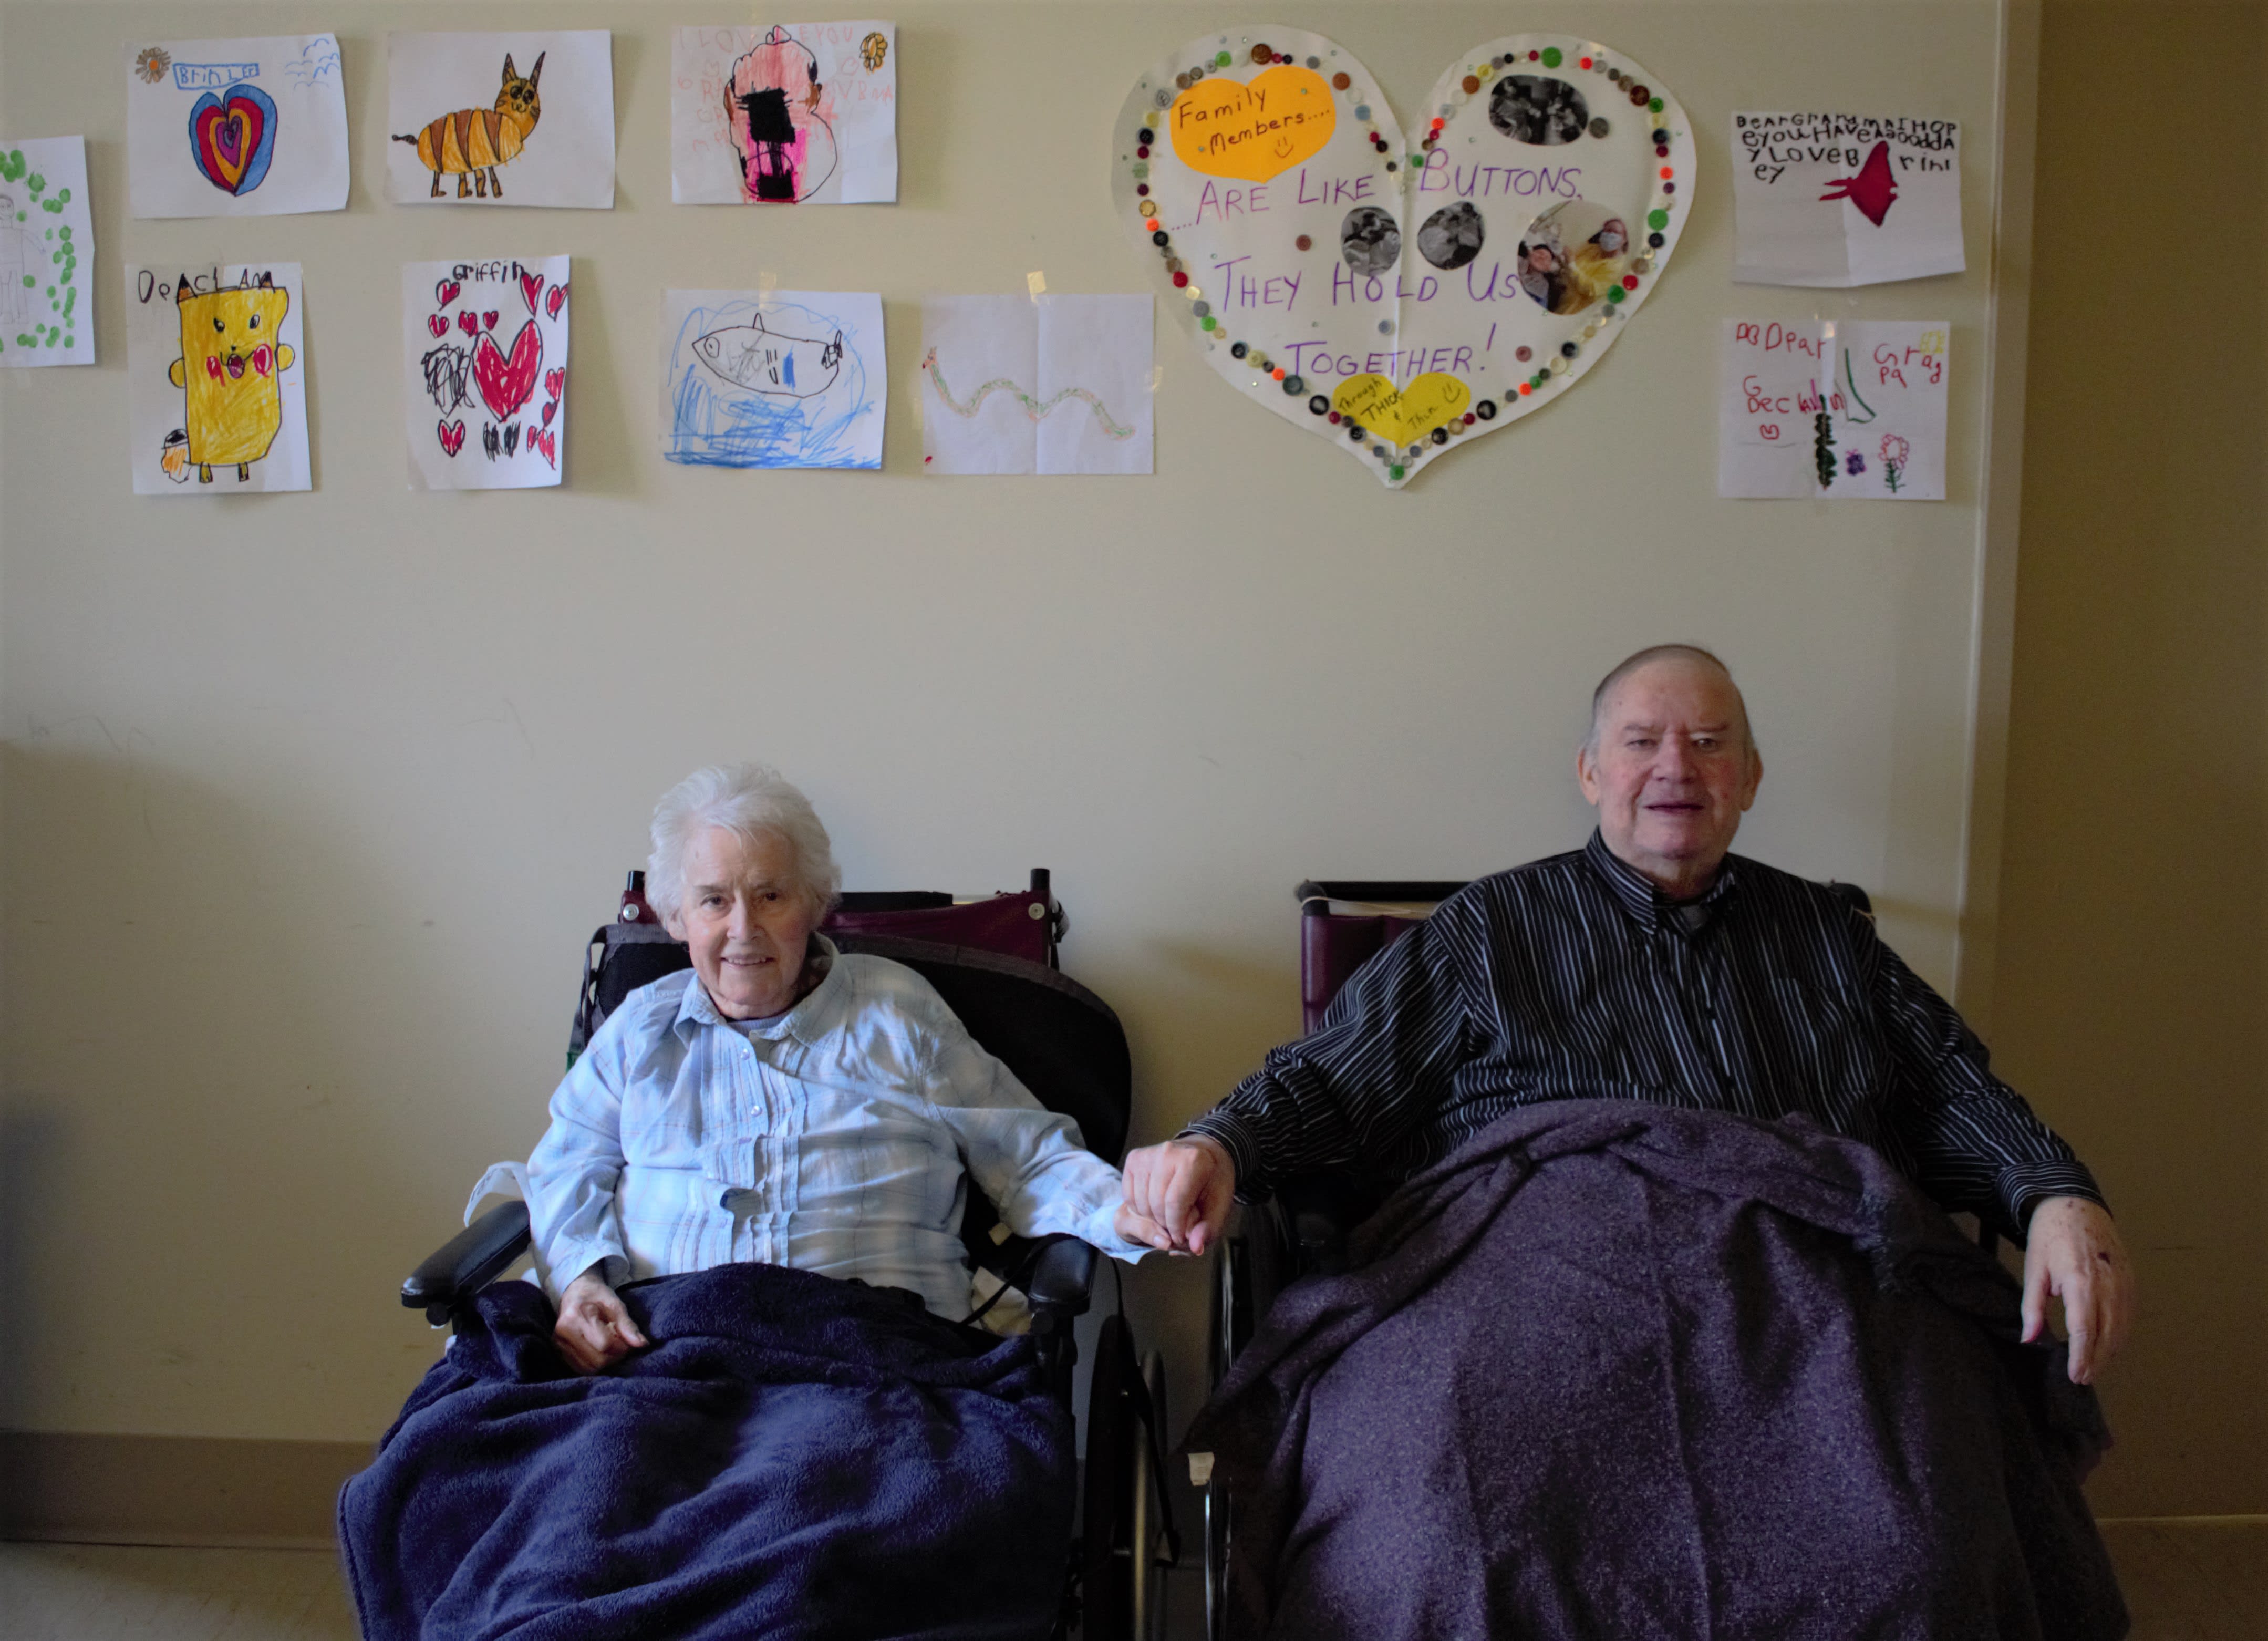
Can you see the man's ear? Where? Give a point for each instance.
(1755, 779)
(1586, 775)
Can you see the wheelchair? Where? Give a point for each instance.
(994, 960)
(1302, 1228)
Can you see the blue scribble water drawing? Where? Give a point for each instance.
(318, 57)
(777, 385)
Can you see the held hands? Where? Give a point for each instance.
(1177, 1195)
(595, 1329)
(2075, 1253)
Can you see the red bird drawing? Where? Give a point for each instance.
(1872, 190)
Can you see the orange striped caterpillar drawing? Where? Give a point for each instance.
(470, 144)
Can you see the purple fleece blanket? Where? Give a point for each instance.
(1614, 1369)
(794, 1456)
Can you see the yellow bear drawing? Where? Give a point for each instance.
(232, 368)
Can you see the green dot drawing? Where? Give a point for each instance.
(29, 281)
(12, 164)
(70, 343)
(66, 231)
(64, 197)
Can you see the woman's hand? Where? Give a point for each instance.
(595, 1330)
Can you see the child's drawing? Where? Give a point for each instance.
(792, 114)
(46, 233)
(236, 127)
(781, 378)
(470, 144)
(469, 113)
(485, 346)
(216, 382)
(1046, 385)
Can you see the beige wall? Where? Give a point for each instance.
(2130, 995)
(309, 800)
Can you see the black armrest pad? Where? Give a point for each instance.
(470, 1260)
(1062, 1280)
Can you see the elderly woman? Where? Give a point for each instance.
(786, 1102)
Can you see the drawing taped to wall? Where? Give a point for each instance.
(1837, 410)
(786, 114)
(1035, 385)
(236, 127)
(47, 233)
(772, 379)
(485, 348)
(1839, 199)
(215, 387)
(501, 119)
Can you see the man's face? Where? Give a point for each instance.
(747, 920)
(1673, 772)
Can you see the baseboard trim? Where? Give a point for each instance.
(78, 1488)
(2182, 1521)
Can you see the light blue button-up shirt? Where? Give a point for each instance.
(837, 1137)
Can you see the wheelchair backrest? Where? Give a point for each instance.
(1333, 944)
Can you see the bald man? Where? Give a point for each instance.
(1654, 965)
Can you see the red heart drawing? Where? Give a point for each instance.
(557, 298)
(506, 383)
(452, 438)
(555, 380)
(439, 325)
(547, 442)
(489, 319)
(469, 324)
(531, 286)
(550, 411)
(445, 292)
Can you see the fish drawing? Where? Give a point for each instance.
(1872, 190)
(767, 362)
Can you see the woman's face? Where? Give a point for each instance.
(747, 920)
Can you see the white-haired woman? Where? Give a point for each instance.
(786, 1103)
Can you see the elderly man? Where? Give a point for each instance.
(1646, 1343)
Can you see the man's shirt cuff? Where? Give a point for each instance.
(2024, 1186)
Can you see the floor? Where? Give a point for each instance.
(2185, 1583)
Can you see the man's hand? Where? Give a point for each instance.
(1177, 1195)
(2073, 1252)
(594, 1326)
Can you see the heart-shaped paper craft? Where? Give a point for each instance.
(1400, 297)
(506, 383)
(232, 137)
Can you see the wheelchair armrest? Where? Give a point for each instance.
(468, 1263)
(1063, 1281)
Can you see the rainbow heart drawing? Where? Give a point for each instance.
(1401, 291)
(232, 137)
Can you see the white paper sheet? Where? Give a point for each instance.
(1848, 410)
(785, 114)
(216, 385)
(485, 348)
(46, 248)
(1047, 384)
(235, 128)
(566, 156)
(772, 379)
(1839, 199)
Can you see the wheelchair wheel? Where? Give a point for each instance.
(1124, 1550)
(1254, 1263)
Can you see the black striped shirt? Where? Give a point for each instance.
(1573, 978)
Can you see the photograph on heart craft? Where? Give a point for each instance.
(1571, 256)
(235, 128)
(216, 390)
(484, 347)
(515, 119)
(785, 114)
(772, 379)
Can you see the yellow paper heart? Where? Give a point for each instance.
(1401, 417)
(1256, 131)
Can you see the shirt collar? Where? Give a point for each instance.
(818, 1013)
(1641, 897)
